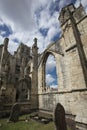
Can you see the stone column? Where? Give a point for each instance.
(34, 87)
(4, 53)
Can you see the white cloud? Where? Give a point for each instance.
(50, 64)
(49, 79)
(54, 86)
(17, 13)
(12, 46)
(1, 39)
(83, 2)
(27, 38)
(3, 32)
(62, 3)
(77, 3)
(20, 16)
(1, 22)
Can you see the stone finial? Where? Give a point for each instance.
(35, 40)
(35, 44)
(6, 40)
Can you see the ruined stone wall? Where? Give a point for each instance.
(1, 46)
(72, 82)
(83, 33)
(70, 53)
(11, 67)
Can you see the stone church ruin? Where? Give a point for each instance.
(22, 75)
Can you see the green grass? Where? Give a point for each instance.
(22, 125)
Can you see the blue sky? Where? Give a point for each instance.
(22, 20)
(51, 75)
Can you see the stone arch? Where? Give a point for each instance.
(48, 98)
(47, 54)
(42, 65)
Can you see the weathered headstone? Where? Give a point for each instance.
(15, 111)
(59, 117)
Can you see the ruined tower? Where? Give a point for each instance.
(70, 18)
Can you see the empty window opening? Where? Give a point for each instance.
(50, 73)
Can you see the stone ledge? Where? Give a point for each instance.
(81, 126)
(63, 92)
(81, 120)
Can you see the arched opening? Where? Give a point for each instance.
(49, 73)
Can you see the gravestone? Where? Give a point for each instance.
(59, 117)
(15, 112)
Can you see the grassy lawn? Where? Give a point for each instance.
(22, 125)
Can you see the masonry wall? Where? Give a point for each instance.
(72, 89)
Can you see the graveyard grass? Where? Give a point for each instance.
(22, 125)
